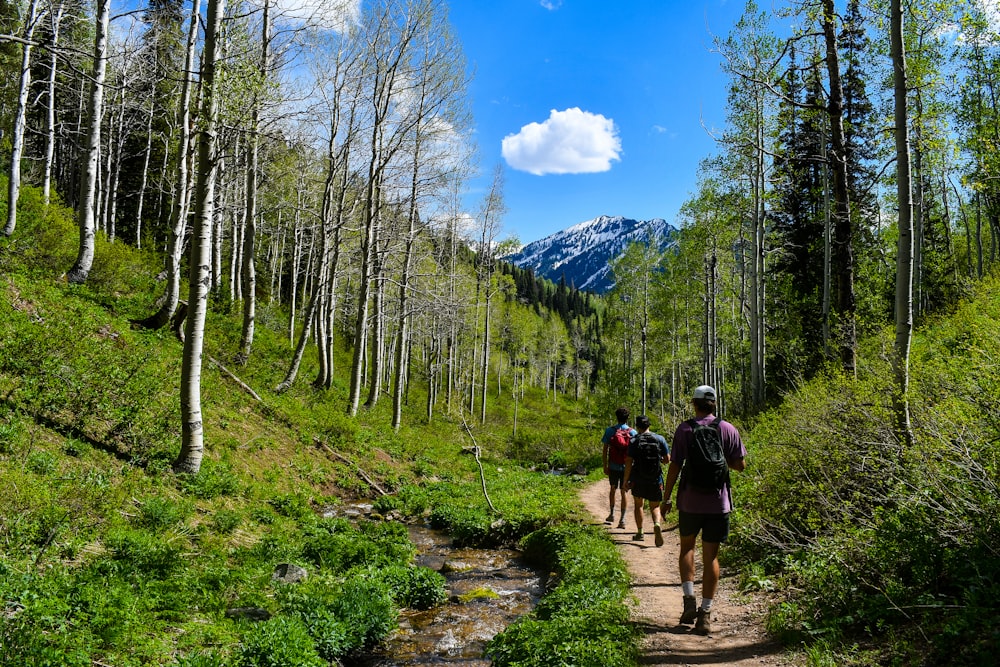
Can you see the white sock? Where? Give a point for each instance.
(706, 604)
(688, 588)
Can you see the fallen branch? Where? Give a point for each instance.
(225, 371)
(482, 473)
(341, 457)
(176, 325)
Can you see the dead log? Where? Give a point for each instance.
(361, 473)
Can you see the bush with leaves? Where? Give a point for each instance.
(282, 641)
(584, 621)
(872, 537)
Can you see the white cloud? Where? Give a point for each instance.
(992, 12)
(569, 142)
(329, 14)
(551, 5)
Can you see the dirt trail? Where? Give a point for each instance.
(738, 638)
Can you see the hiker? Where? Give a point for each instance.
(644, 475)
(704, 449)
(616, 440)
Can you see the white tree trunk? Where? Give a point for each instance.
(182, 188)
(50, 138)
(904, 250)
(86, 206)
(192, 427)
(20, 120)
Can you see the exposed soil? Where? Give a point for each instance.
(738, 636)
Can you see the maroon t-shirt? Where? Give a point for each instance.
(702, 502)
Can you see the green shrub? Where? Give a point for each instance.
(226, 521)
(157, 513)
(339, 550)
(41, 462)
(414, 587)
(336, 545)
(584, 621)
(311, 603)
(11, 435)
(582, 640)
(281, 641)
(200, 659)
(365, 606)
(343, 618)
(136, 551)
(212, 481)
(32, 627)
(291, 505)
(382, 504)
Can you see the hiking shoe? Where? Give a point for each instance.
(658, 532)
(621, 524)
(639, 537)
(690, 613)
(611, 517)
(703, 625)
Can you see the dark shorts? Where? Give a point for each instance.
(651, 490)
(616, 477)
(713, 527)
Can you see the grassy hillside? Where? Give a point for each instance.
(880, 553)
(109, 556)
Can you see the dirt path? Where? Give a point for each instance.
(737, 639)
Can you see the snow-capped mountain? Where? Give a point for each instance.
(581, 253)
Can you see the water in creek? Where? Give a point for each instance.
(488, 589)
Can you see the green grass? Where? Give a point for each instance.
(110, 557)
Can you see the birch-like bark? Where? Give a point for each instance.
(86, 206)
(145, 172)
(20, 120)
(904, 250)
(249, 268)
(384, 70)
(192, 427)
(55, 17)
(182, 189)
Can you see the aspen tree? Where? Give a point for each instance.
(192, 426)
(20, 118)
(90, 158)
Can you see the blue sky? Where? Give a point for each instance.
(594, 107)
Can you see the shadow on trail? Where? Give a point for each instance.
(699, 650)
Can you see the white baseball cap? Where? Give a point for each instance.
(705, 391)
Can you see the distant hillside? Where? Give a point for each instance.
(581, 254)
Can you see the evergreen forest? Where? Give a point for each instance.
(240, 286)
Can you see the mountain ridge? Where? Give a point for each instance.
(581, 254)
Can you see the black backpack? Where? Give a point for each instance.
(705, 468)
(647, 457)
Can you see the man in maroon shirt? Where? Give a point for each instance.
(701, 509)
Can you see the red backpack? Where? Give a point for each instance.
(618, 445)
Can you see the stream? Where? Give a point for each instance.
(488, 589)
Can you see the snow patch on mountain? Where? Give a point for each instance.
(581, 254)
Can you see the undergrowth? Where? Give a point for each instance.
(109, 557)
(885, 553)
